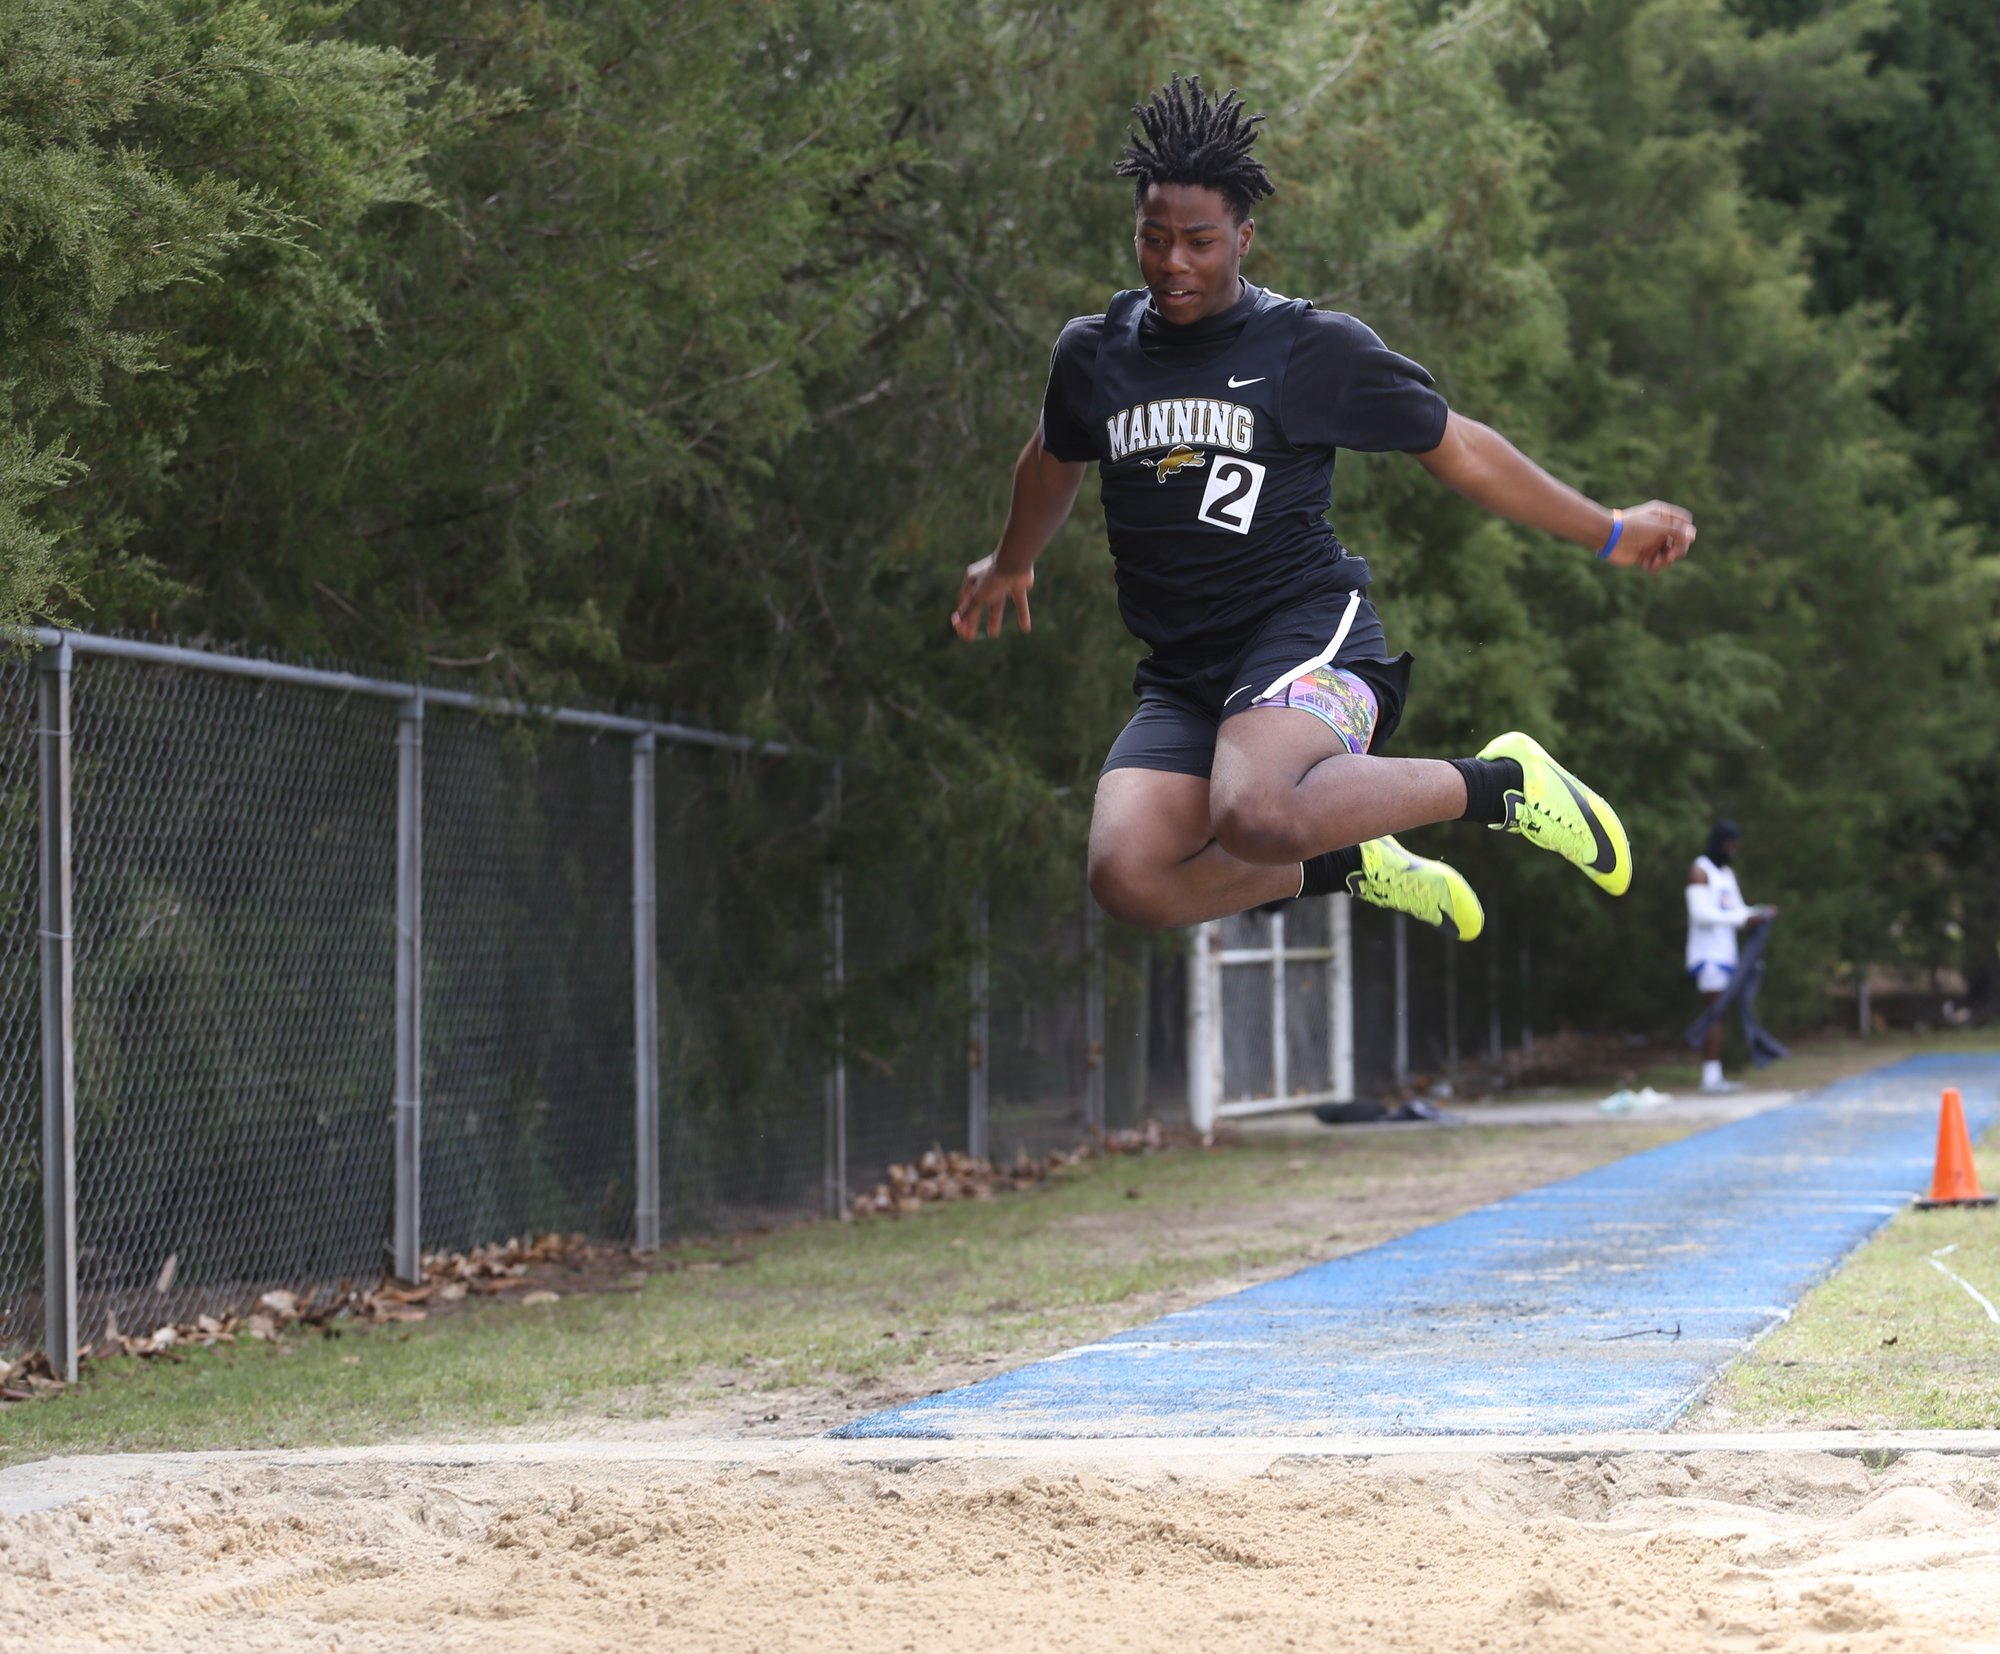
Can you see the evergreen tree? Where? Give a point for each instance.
(1899, 182)
(680, 354)
(164, 169)
(1828, 603)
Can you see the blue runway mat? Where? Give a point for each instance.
(1604, 1302)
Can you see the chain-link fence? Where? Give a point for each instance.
(528, 1079)
(234, 851)
(338, 970)
(652, 986)
(20, 1020)
(745, 957)
(1441, 1006)
(910, 965)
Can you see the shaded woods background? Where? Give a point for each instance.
(676, 355)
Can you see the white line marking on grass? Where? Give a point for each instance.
(1979, 1297)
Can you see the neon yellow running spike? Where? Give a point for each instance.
(1558, 812)
(1430, 891)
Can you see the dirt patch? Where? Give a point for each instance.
(1636, 1552)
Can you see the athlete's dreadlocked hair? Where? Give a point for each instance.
(1192, 138)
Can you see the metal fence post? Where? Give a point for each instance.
(977, 1037)
(645, 1004)
(407, 1247)
(1402, 935)
(1093, 1014)
(1340, 989)
(834, 897)
(59, 1311)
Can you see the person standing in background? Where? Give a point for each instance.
(1716, 912)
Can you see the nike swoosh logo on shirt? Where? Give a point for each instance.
(1237, 384)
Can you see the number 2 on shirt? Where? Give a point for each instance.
(1230, 499)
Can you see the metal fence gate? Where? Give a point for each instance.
(1271, 1011)
(1330, 1001)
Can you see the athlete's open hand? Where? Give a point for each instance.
(983, 599)
(1656, 537)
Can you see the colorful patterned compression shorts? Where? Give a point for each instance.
(1336, 697)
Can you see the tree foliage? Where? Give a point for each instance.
(170, 176)
(1896, 188)
(678, 354)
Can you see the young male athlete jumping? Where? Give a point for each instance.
(1213, 409)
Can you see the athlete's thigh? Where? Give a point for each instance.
(1269, 749)
(1304, 707)
(1148, 818)
(1152, 797)
(1269, 746)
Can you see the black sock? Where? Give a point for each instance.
(1328, 873)
(1487, 781)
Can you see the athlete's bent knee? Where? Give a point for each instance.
(1261, 827)
(1129, 891)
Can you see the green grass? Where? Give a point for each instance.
(834, 1307)
(1888, 1342)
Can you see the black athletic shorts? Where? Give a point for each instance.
(1182, 704)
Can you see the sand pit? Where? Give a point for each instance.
(812, 1548)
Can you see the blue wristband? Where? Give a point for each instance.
(1617, 529)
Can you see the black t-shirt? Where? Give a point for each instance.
(1246, 410)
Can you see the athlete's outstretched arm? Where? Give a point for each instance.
(1044, 490)
(1487, 469)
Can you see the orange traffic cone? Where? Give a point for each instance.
(1954, 1182)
